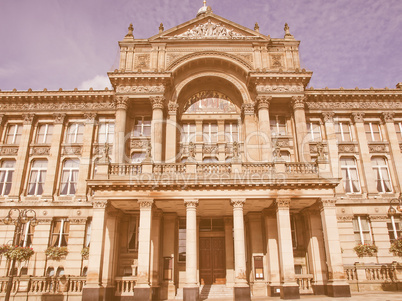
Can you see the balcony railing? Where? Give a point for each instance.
(304, 281)
(125, 285)
(301, 168)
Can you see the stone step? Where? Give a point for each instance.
(215, 291)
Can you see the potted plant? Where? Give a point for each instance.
(16, 252)
(85, 252)
(365, 250)
(56, 253)
(396, 247)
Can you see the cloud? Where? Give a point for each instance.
(99, 82)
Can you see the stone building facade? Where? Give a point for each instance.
(210, 164)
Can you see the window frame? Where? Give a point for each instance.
(132, 232)
(143, 125)
(46, 135)
(382, 167)
(275, 130)
(69, 182)
(398, 130)
(109, 135)
(371, 132)
(41, 173)
(16, 135)
(188, 134)
(341, 133)
(7, 171)
(27, 232)
(230, 134)
(63, 232)
(212, 136)
(361, 231)
(182, 227)
(77, 134)
(350, 179)
(311, 125)
(394, 229)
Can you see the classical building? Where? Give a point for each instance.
(210, 169)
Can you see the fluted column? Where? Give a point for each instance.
(142, 290)
(289, 287)
(21, 163)
(171, 131)
(337, 285)
(251, 139)
(303, 147)
(191, 291)
(332, 143)
(157, 103)
(265, 128)
(396, 163)
(93, 291)
(241, 288)
(120, 128)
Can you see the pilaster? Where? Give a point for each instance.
(120, 128)
(157, 103)
(264, 127)
(251, 139)
(171, 133)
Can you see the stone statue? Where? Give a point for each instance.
(235, 149)
(191, 150)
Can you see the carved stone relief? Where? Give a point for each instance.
(142, 61)
(141, 89)
(9, 150)
(280, 88)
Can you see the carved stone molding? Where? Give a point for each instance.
(90, 117)
(157, 102)
(248, 108)
(40, 150)
(358, 116)
(72, 150)
(2, 118)
(298, 102)
(209, 149)
(59, 118)
(349, 105)
(44, 220)
(58, 106)
(78, 221)
(327, 203)
(328, 116)
(100, 204)
(378, 148)
(172, 108)
(282, 203)
(279, 88)
(344, 218)
(121, 102)
(98, 149)
(388, 116)
(282, 142)
(142, 61)
(263, 102)
(28, 118)
(145, 203)
(237, 203)
(346, 148)
(191, 203)
(139, 144)
(9, 150)
(141, 89)
(379, 218)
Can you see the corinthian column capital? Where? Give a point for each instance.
(298, 102)
(157, 102)
(121, 102)
(263, 101)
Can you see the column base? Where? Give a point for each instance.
(319, 289)
(290, 292)
(142, 294)
(342, 290)
(241, 293)
(92, 293)
(274, 290)
(191, 293)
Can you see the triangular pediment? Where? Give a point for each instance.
(209, 27)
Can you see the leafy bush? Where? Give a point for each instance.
(16, 252)
(85, 252)
(396, 247)
(365, 250)
(56, 253)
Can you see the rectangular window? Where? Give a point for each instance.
(106, 132)
(27, 235)
(394, 228)
(6, 176)
(37, 177)
(314, 131)
(210, 132)
(132, 237)
(259, 267)
(182, 240)
(59, 235)
(14, 132)
(75, 133)
(142, 126)
(167, 268)
(69, 177)
(350, 175)
(44, 134)
(231, 132)
(398, 129)
(278, 125)
(189, 132)
(362, 230)
(373, 132)
(380, 168)
(343, 132)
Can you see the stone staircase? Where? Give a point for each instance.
(210, 292)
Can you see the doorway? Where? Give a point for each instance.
(212, 260)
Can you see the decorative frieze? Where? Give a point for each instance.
(298, 102)
(347, 148)
(276, 60)
(139, 144)
(282, 142)
(160, 89)
(58, 106)
(350, 105)
(345, 218)
(121, 102)
(40, 150)
(59, 118)
(78, 221)
(378, 148)
(157, 102)
(237, 203)
(358, 116)
(142, 61)
(9, 150)
(278, 88)
(209, 149)
(379, 218)
(68, 150)
(248, 108)
(44, 221)
(388, 116)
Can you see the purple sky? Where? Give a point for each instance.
(73, 43)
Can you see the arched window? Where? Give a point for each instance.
(382, 178)
(60, 272)
(69, 177)
(6, 176)
(50, 272)
(350, 175)
(37, 178)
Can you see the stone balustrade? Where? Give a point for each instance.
(301, 168)
(304, 281)
(125, 285)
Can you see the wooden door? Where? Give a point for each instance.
(212, 260)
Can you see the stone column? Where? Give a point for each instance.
(156, 273)
(171, 133)
(93, 291)
(229, 251)
(337, 286)
(367, 177)
(332, 143)
(191, 290)
(251, 139)
(271, 230)
(120, 128)
(265, 127)
(303, 147)
(54, 157)
(289, 287)
(241, 288)
(142, 289)
(21, 163)
(396, 163)
(157, 127)
(316, 251)
(86, 156)
(168, 244)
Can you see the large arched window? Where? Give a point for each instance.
(350, 175)
(6, 176)
(382, 178)
(69, 177)
(37, 177)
